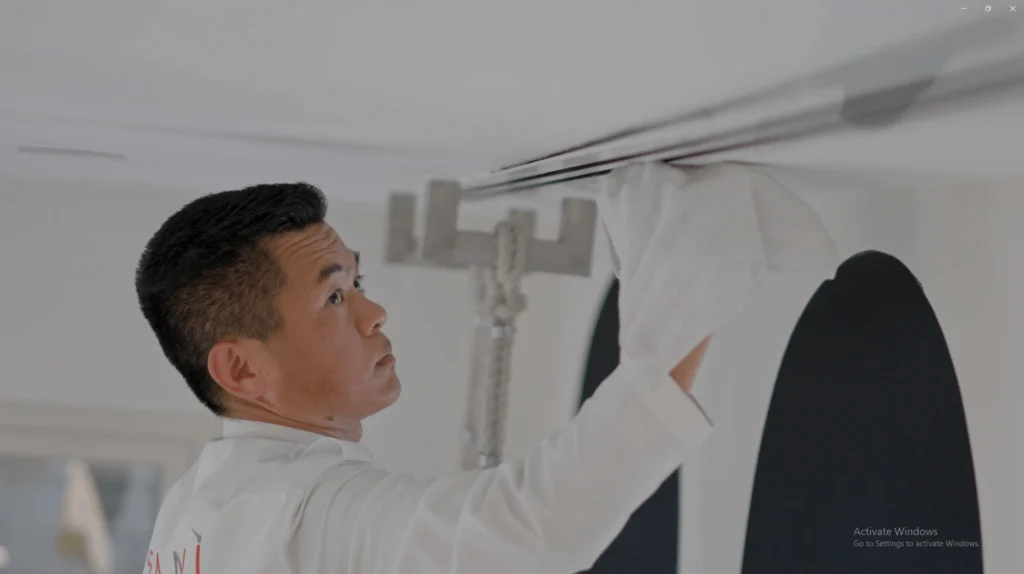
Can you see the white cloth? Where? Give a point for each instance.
(691, 246)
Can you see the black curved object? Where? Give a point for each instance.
(649, 541)
(865, 436)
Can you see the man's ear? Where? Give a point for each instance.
(235, 366)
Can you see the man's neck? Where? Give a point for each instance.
(347, 430)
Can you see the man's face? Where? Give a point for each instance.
(330, 361)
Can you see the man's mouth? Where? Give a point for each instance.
(388, 358)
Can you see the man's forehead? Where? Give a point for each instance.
(314, 246)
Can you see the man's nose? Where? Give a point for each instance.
(371, 316)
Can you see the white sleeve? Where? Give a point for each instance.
(553, 512)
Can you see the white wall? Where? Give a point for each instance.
(70, 333)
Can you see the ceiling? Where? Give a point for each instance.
(365, 97)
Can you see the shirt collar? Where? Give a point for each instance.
(237, 428)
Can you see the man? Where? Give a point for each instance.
(258, 304)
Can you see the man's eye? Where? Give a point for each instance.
(336, 298)
(358, 283)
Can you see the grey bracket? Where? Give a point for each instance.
(444, 245)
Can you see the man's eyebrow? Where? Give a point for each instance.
(330, 270)
(333, 268)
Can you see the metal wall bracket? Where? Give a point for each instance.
(444, 245)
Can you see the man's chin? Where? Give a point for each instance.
(392, 390)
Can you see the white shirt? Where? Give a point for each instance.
(270, 499)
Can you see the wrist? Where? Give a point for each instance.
(685, 371)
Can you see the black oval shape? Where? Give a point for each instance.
(865, 436)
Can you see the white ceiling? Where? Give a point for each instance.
(367, 96)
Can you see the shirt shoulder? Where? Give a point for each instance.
(242, 494)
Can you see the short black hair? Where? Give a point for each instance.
(208, 273)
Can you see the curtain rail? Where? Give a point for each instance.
(947, 93)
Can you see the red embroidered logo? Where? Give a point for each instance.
(180, 560)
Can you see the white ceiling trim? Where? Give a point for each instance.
(34, 144)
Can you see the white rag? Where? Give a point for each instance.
(690, 247)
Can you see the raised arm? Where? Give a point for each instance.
(553, 512)
(690, 249)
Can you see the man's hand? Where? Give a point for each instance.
(686, 370)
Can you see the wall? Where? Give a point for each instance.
(70, 334)
(963, 245)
